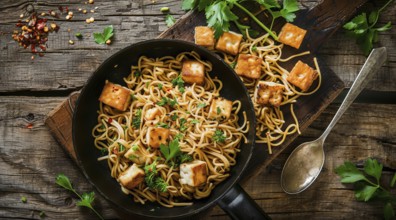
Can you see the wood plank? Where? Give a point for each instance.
(68, 66)
(31, 158)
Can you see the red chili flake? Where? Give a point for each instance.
(67, 9)
(29, 126)
(110, 120)
(60, 8)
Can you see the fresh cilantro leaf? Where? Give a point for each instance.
(179, 82)
(179, 136)
(268, 4)
(386, 27)
(183, 126)
(254, 48)
(160, 184)
(189, 4)
(242, 28)
(160, 86)
(373, 168)
(86, 200)
(219, 16)
(169, 20)
(389, 212)
(162, 125)
(233, 64)
(373, 17)
(218, 136)
(218, 110)
(101, 38)
(170, 151)
(136, 120)
(64, 182)
(167, 101)
(392, 183)
(174, 117)
(104, 151)
(365, 193)
(137, 73)
(201, 105)
(195, 121)
(349, 173)
(152, 180)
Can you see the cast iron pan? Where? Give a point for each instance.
(229, 195)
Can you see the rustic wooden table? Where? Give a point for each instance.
(29, 89)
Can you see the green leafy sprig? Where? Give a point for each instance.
(364, 29)
(367, 184)
(102, 38)
(152, 180)
(86, 199)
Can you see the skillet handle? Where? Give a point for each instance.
(239, 205)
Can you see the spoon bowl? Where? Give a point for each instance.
(306, 161)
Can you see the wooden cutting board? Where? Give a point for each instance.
(321, 22)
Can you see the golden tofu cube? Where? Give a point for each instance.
(152, 113)
(135, 155)
(193, 72)
(220, 108)
(248, 66)
(115, 96)
(292, 35)
(204, 36)
(229, 43)
(157, 136)
(131, 177)
(302, 76)
(269, 93)
(193, 173)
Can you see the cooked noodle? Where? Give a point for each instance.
(151, 80)
(271, 128)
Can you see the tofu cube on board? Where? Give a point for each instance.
(193, 72)
(131, 177)
(268, 93)
(292, 35)
(193, 173)
(115, 96)
(229, 43)
(302, 76)
(204, 36)
(157, 136)
(248, 66)
(220, 108)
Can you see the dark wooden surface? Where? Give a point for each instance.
(31, 158)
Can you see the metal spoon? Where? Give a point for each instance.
(306, 161)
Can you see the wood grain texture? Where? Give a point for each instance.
(31, 158)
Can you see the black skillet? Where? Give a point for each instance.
(229, 195)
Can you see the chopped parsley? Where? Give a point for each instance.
(195, 121)
(162, 125)
(201, 105)
(233, 64)
(174, 117)
(254, 48)
(218, 110)
(152, 180)
(183, 126)
(218, 136)
(104, 151)
(121, 147)
(179, 82)
(137, 119)
(167, 101)
(160, 86)
(137, 73)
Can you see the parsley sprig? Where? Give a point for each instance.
(364, 29)
(86, 199)
(219, 13)
(173, 154)
(136, 120)
(179, 82)
(367, 183)
(152, 180)
(101, 38)
(218, 136)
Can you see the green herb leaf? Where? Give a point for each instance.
(164, 9)
(160, 86)
(189, 4)
(42, 214)
(392, 183)
(373, 17)
(167, 101)
(268, 4)
(86, 200)
(136, 120)
(183, 126)
(242, 28)
(386, 27)
(101, 38)
(174, 117)
(201, 105)
(152, 180)
(365, 193)
(349, 173)
(184, 158)
(218, 110)
(389, 212)
(104, 151)
(218, 136)
(23, 199)
(179, 82)
(162, 125)
(219, 16)
(137, 73)
(169, 20)
(373, 168)
(121, 147)
(64, 182)
(170, 151)
(195, 121)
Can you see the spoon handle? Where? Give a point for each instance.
(373, 63)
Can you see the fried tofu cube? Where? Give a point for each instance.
(131, 177)
(135, 155)
(229, 43)
(292, 35)
(268, 93)
(302, 76)
(151, 113)
(220, 108)
(157, 136)
(193, 173)
(204, 36)
(115, 96)
(193, 72)
(248, 66)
